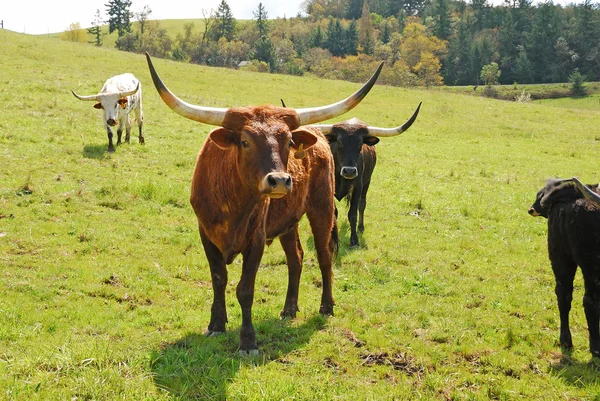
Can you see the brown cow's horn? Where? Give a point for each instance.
(587, 192)
(383, 132)
(317, 114)
(91, 97)
(207, 115)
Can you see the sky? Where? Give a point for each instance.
(49, 16)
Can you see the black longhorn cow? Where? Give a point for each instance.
(353, 143)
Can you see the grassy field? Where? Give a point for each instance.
(105, 291)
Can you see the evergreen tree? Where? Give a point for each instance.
(335, 37)
(354, 9)
(351, 39)
(458, 65)
(522, 69)
(265, 51)
(507, 47)
(118, 16)
(443, 28)
(224, 26)
(261, 17)
(544, 34)
(386, 33)
(316, 38)
(95, 30)
(365, 36)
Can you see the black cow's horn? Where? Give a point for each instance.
(587, 192)
(384, 132)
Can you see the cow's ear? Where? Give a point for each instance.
(370, 140)
(303, 139)
(98, 106)
(223, 138)
(122, 102)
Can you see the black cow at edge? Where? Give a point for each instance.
(353, 143)
(573, 240)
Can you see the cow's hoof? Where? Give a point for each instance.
(210, 333)
(111, 150)
(326, 310)
(249, 352)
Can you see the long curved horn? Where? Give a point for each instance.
(317, 114)
(325, 128)
(385, 132)
(91, 97)
(207, 115)
(129, 93)
(587, 192)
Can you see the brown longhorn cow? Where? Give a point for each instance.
(247, 190)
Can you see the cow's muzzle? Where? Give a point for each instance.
(276, 185)
(533, 212)
(112, 122)
(349, 173)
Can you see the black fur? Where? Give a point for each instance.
(573, 240)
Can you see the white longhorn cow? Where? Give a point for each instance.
(120, 95)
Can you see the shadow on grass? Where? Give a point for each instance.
(576, 373)
(95, 151)
(200, 368)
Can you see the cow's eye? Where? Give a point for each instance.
(245, 144)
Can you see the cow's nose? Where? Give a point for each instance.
(276, 185)
(532, 211)
(349, 172)
(112, 122)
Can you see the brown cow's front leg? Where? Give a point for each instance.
(245, 295)
(294, 255)
(218, 271)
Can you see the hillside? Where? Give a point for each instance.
(105, 290)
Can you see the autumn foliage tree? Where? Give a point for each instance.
(422, 52)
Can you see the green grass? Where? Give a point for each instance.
(105, 291)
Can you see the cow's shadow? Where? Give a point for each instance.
(574, 372)
(95, 151)
(199, 368)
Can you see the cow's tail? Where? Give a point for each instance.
(335, 239)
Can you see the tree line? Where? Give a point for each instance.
(423, 42)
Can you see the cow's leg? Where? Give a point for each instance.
(245, 293)
(362, 204)
(218, 272)
(353, 214)
(564, 273)
(591, 305)
(324, 229)
(127, 128)
(119, 133)
(111, 147)
(294, 255)
(139, 116)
